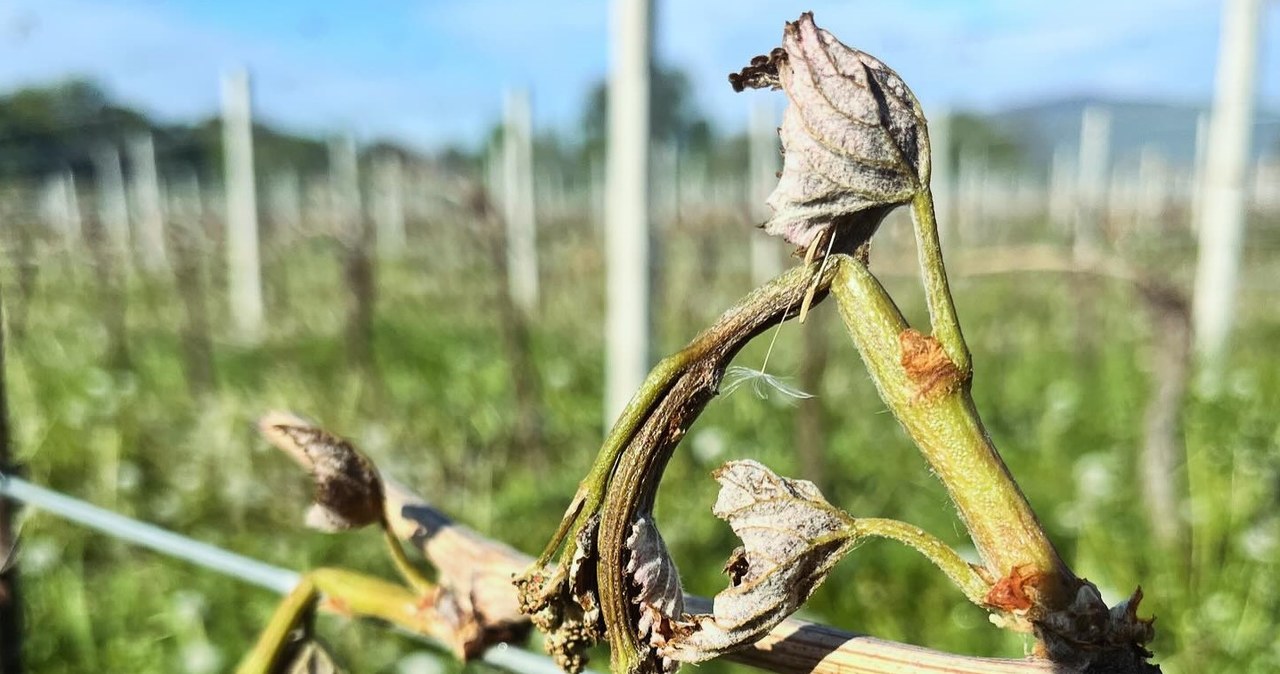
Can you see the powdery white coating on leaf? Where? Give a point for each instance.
(853, 139)
(654, 574)
(656, 583)
(791, 538)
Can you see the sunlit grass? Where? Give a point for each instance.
(1065, 411)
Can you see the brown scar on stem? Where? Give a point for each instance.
(339, 606)
(1010, 593)
(826, 236)
(927, 365)
(426, 602)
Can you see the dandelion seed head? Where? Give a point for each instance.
(761, 383)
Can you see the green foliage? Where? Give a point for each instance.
(44, 130)
(58, 127)
(54, 128)
(273, 150)
(1065, 411)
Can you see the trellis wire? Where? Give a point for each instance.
(168, 543)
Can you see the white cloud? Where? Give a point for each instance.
(155, 58)
(972, 53)
(445, 81)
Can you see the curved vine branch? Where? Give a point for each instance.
(857, 147)
(472, 565)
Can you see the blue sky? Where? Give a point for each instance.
(432, 72)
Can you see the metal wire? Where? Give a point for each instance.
(168, 543)
(278, 580)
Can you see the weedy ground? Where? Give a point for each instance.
(1060, 380)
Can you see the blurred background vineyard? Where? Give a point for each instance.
(398, 311)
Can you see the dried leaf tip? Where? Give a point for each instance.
(348, 491)
(854, 138)
(761, 74)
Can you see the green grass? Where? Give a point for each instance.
(1065, 411)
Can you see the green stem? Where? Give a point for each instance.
(352, 594)
(633, 482)
(357, 594)
(937, 291)
(407, 570)
(940, 554)
(261, 659)
(953, 440)
(591, 489)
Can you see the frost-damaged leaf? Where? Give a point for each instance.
(791, 538)
(566, 607)
(854, 138)
(657, 587)
(1086, 633)
(348, 491)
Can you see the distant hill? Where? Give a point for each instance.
(1170, 128)
(59, 126)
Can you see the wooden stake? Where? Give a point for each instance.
(113, 206)
(244, 271)
(1094, 165)
(1222, 217)
(517, 201)
(148, 211)
(627, 246)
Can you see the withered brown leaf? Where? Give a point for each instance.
(348, 491)
(1087, 632)
(854, 138)
(791, 538)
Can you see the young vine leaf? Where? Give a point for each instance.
(854, 138)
